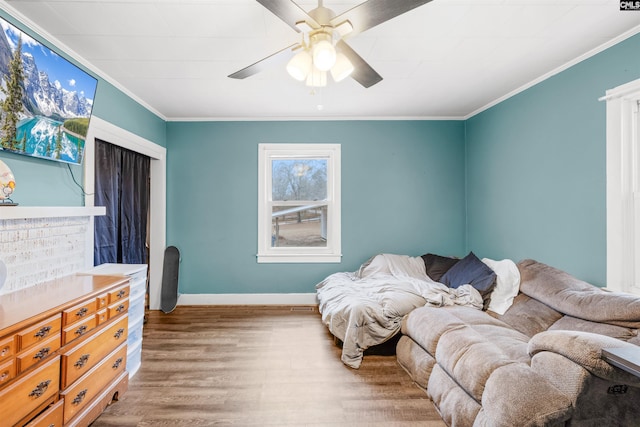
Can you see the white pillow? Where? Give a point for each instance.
(507, 284)
(396, 265)
(377, 264)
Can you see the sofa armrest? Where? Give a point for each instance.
(515, 395)
(584, 349)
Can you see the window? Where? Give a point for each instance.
(299, 203)
(623, 188)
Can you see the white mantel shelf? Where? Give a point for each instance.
(24, 212)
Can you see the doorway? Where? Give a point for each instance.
(122, 187)
(101, 129)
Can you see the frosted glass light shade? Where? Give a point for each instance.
(317, 78)
(342, 68)
(300, 65)
(324, 55)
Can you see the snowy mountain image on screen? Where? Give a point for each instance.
(46, 101)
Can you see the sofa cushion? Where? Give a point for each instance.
(570, 323)
(470, 270)
(471, 353)
(426, 324)
(566, 294)
(468, 344)
(528, 315)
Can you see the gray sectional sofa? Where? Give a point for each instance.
(538, 364)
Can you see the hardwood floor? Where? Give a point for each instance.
(260, 366)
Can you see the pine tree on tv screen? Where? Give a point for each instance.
(45, 100)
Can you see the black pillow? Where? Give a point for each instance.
(437, 265)
(470, 270)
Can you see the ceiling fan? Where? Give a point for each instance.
(323, 48)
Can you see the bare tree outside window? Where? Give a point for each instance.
(304, 181)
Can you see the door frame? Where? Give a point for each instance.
(105, 131)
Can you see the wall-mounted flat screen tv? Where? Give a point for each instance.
(45, 100)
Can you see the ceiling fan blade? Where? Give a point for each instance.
(289, 12)
(277, 58)
(363, 73)
(373, 12)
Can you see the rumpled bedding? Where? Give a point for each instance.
(366, 307)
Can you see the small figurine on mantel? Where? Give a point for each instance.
(7, 185)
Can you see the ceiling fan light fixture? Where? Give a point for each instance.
(344, 28)
(303, 26)
(342, 68)
(317, 78)
(299, 66)
(324, 54)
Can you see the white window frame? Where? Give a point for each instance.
(623, 188)
(332, 253)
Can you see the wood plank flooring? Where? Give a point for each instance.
(260, 366)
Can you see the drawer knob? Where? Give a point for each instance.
(4, 376)
(120, 308)
(117, 363)
(80, 397)
(82, 312)
(81, 330)
(5, 351)
(118, 333)
(122, 293)
(42, 353)
(40, 389)
(82, 361)
(43, 332)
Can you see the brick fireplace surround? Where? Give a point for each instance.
(42, 244)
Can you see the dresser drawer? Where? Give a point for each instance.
(102, 316)
(52, 417)
(102, 301)
(7, 348)
(78, 312)
(27, 393)
(78, 329)
(38, 353)
(82, 358)
(38, 332)
(118, 294)
(118, 308)
(91, 384)
(7, 371)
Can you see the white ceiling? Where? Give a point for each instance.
(448, 58)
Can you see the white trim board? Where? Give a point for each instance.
(247, 299)
(108, 132)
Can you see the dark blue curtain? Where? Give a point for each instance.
(122, 186)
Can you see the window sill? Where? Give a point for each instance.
(302, 258)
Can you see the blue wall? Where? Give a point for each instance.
(536, 176)
(402, 192)
(41, 182)
(524, 179)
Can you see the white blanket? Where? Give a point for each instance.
(366, 308)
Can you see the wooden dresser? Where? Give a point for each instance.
(63, 350)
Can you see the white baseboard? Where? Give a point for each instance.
(247, 299)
